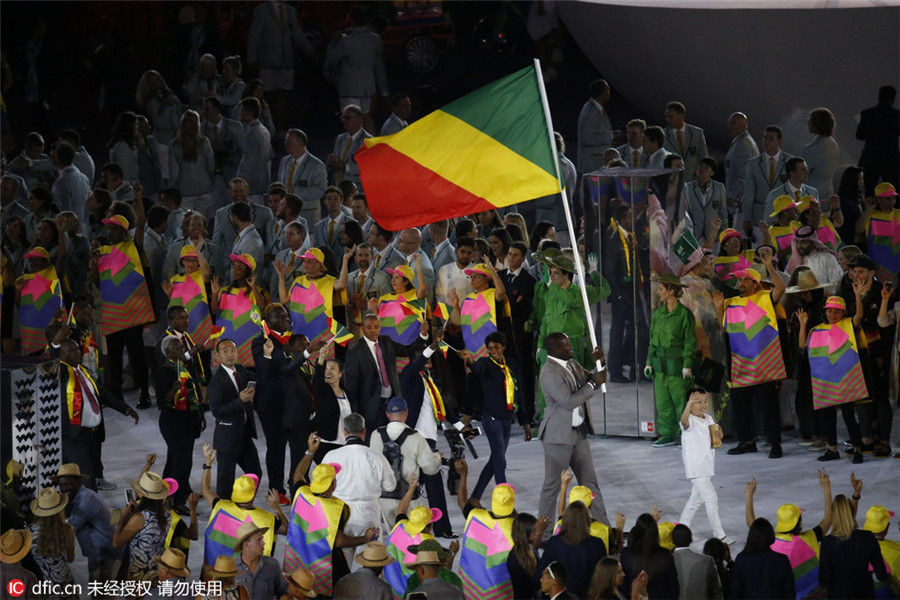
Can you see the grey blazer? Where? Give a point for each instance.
(702, 210)
(625, 151)
(376, 281)
(351, 169)
(697, 576)
(694, 148)
(561, 400)
(256, 162)
(270, 44)
(595, 136)
(192, 178)
(229, 146)
(742, 149)
(757, 186)
(444, 255)
(309, 182)
(356, 62)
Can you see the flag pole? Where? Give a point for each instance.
(565, 201)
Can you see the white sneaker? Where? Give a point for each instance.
(728, 540)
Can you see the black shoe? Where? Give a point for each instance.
(144, 402)
(743, 448)
(448, 535)
(830, 455)
(857, 458)
(776, 452)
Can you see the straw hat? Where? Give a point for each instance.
(69, 470)
(48, 503)
(420, 517)
(225, 567)
(877, 519)
(322, 477)
(503, 500)
(305, 580)
(244, 488)
(151, 486)
(245, 531)
(374, 555)
(402, 271)
(669, 279)
(788, 516)
(117, 220)
(246, 259)
(425, 558)
(806, 282)
(175, 561)
(15, 545)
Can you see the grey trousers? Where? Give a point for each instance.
(561, 456)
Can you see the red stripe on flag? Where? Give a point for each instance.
(434, 197)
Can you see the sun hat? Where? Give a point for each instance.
(374, 555)
(788, 516)
(175, 561)
(669, 279)
(244, 258)
(425, 558)
(402, 271)
(117, 220)
(38, 252)
(836, 302)
(151, 486)
(244, 488)
(171, 484)
(420, 517)
(69, 470)
(781, 204)
(48, 503)
(479, 269)
(225, 566)
(503, 500)
(750, 273)
(314, 254)
(563, 262)
(728, 233)
(188, 251)
(322, 477)
(305, 579)
(246, 530)
(885, 190)
(806, 282)
(545, 255)
(878, 518)
(15, 545)
(581, 493)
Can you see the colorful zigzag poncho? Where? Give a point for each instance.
(837, 375)
(397, 573)
(482, 563)
(239, 317)
(752, 331)
(40, 298)
(123, 288)
(189, 291)
(313, 527)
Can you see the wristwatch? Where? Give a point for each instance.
(206, 466)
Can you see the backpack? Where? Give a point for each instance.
(391, 451)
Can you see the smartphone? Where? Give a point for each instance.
(130, 496)
(888, 285)
(251, 385)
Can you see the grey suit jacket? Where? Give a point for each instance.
(228, 148)
(393, 124)
(321, 234)
(392, 258)
(295, 270)
(444, 254)
(782, 190)
(694, 148)
(213, 254)
(625, 151)
(355, 62)
(742, 149)
(657, 159)
(351, 169)
(251, 243)
(697, 576)
(822, 156)
(309, 181)
(376, 281)
(561, 400)
(256, 162)
(702, 209)
(271, 43)
(224, 232)
(757, 186)
(70, 191)
(595, 136)
(192, 178)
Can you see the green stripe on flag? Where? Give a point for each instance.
(510, 111)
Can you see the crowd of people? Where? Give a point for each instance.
(255, 294)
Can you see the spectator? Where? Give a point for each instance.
(850, 556)
(575, 548)
(143, 526)
(522, 559)
(192, 166)
(697, 574)
(759, 571)
(608, 576)
(53, 539)
(644, 553)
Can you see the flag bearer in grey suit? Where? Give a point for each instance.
(567, 388)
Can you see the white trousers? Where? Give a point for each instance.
(703, 492)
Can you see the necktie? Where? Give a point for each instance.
(382, 368)
(339, 175)
(237, 381)
(771, 170)
(377, 260)
(433, 250)
(635, 157)
(680, 142)
(797, 195)
(291, 263)
(331, 231)
(362, 283)
(87, 389)
(290, 181)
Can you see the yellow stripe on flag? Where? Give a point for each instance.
(463, 155)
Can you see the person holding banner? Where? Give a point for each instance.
(238, 306)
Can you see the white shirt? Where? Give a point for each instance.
(89, 416)
(825, 266)
(426, 424)
(451, 277)
(364, 474)
(344, 408)
(696, 447)
(416, 452)
(385, 390)
(577, 413)
(231, 373)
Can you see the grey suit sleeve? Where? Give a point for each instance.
(749, 190)
(701, 147)
(555, 387)
(317, 183)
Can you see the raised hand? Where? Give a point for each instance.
(802, 316)
(750, 488)
(209, 454)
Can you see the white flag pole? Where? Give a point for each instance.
(578, 266)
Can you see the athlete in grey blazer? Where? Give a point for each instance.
(741, 150)
(568, 388)
(693, 142)
(256, 162)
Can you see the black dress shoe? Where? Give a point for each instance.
(830, 455)
(449, 534)
(144, 402)
(776, 452)
(743, 448)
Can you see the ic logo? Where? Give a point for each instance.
(15, 588)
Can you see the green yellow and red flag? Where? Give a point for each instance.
(486, 150)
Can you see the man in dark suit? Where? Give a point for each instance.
(520, 292)
(296, 382)
(879, 127)
(567, 388)
(620, 270)
(230, 395)
(370, 373)
(269, 401)
(83, 430)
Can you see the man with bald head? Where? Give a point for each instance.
(409, 243)
(743, 148)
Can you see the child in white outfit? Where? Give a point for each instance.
(699, 456)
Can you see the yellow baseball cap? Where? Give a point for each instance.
(420, 517)
(788, 516)
(878, 518)
(503, 500)
(118, 220)
(884, 190)
(781, 204)
(322, 477)
(582, 494)
(244, 488)
(246, 259)
(402, 271)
